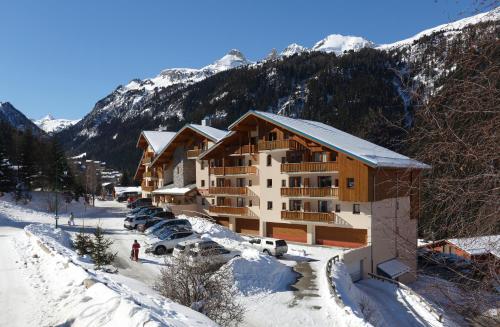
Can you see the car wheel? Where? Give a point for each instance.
(267, 252)
(161, 250)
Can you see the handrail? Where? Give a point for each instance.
(331, 284)
(420, 299)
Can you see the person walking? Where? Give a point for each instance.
(135, 251)
(71, 221)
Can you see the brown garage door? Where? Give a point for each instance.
(289, 232)
(247, 226)
(344, 237)
(224, 221)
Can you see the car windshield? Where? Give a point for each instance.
(280, 243)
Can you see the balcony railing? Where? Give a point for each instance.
(312, 167)
(193, 153)
(228, 190)
(278, 144)
(326, 217)
(236, 170)
(237, 211)
(148, 188)
(310, 192)
(245, 149)
(147, 160)
(148, 174)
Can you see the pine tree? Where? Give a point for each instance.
(125, 179)
(6, 182)
(100, 249)
(83, 243)
(28, 170)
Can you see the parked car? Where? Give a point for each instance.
(162, 245)
(149, 223)
(217, 255)
(186, 246)
(122, 197)
(164, 215)
(145, 211)
(167, 224)
(140, 202)
(133, 222)
(270, 246)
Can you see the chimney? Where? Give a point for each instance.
(205, 121)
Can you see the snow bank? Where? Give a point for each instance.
(216, 232)
(83, 297)
(255, 273)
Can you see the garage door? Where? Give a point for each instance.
(344, 237)
(224, 221)
(289, 232)
(247, 226)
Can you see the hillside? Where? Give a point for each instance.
(16, 119)
(345, 81)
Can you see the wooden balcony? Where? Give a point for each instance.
(310, 167)
(278, 144)
(149, 174)
(313, 192)
(234, 211)
(245, 149)
(236, 170)
(148, 188)
(324, 217)
(147, 160)
(193, 153)
(228, 190)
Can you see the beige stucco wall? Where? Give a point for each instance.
(394, 234)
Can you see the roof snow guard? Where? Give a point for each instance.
(393, 268)
(328, 136)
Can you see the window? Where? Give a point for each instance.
(213, 201)
(283, 206)
(295, 205)
(336, 182)
(283, 160)
(178, 169)
(249, 162)
(337, 208)
(350, 182)
(250, 203)
(319, 156)
(324, 181)
(249, 182)
(202, 183)
(269, 205)
(283, 183)
(322, 206)
(356, 208)
(203, 202)
(220, 182)
(240, 182)
(202, 164)
(269, 242)
(269, 183)
(213, 183)
(240, 202)
(272, 136)
(269, 160)
(240, 162)
(295, 182)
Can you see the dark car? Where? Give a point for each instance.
(148, 223)
(140, 202)
(163, 215)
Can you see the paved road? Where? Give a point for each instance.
(18, 303)
(385, 295)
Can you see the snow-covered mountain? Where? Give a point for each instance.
(338, 44)
(172, 76)
(52, 125)
(10, 115)
(292, 49)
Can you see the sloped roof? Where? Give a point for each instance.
(209, 132)
(172, 190)
(370, 153)
(478, 245)
(157, 139)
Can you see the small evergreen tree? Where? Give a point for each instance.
(6, 181)
(100, 249)
(83, 243)
(125, 179)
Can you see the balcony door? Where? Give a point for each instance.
(240, 202)
(295, 181)
(322, 206)
(324, 181)
(320, 157)
(240, 182)
(295, 205)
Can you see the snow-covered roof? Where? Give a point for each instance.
(370, 153)
(172, 190)
(157, 139)
(478, 245)
(123, 189)
(394, 268)
(212, 133)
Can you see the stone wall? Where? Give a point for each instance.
(184, 170)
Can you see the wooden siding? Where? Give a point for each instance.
(228, 190)
(351, 168)
(343, 237)
(237, 170)
(238, 211)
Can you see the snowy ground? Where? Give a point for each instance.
(270, 289)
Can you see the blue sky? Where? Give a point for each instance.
(61, 57)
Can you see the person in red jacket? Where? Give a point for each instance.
(135, 250)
